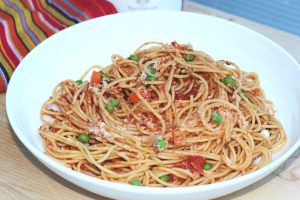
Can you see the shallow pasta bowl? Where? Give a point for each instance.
(68, 54)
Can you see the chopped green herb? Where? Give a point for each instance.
(79, 82)
(152, 70)
(150, 78)
(134, 57)
(104, 75)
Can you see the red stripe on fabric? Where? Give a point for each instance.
(13, 34)
(105, 6)
(85, 7)
(26, 4)
(70, 10)
(39, 22)
(9, 51)
(2, 86)
(94, 8)
(48, 16)
(36, 18)
(5, 57)
(29, 25)
(100, 10)
(34, 21)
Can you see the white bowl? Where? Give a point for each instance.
(69, 53)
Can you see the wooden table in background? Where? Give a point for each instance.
(23, 177)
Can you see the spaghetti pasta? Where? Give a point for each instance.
(166, 116)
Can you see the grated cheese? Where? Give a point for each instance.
(143, 75)
(265, 133)
(105, 84)
(53, 107)
(257, 160)
(48, 119)
(228, 161)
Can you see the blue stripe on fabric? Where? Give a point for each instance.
(76, 9)
(64, 11)
(281, 14)
(23, 21)
(3, 78)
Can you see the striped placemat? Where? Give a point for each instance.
(25, 23)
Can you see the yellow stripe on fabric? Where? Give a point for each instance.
(37, 31)
(18, 25)
(6, 56)
(56, 13)
(6, 66)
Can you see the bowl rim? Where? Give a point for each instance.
(60, 169)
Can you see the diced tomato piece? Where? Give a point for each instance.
(179, 138)
(197, 163)
(177, 46)
(193, 163)
(133, 98)
(96, 77)
(185, 164)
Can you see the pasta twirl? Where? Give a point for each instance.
(167, 115)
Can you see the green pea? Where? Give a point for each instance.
(165, 178)
(136, 182)
(207, 166)
(105, 75)
(152, 70)
(229, 81)
(79, 82)
(161, 144)
(244, 93)
(189, 57)
(110, 108)
(217, 118)
(83, 138)
(134, 57)
(150, 78)
(114, 102)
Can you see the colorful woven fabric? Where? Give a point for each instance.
(25, 23)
